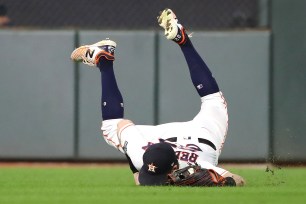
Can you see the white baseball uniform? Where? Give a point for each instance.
(197, 141)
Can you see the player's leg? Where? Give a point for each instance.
(111, 101)
(213, 113)
(101, 55)
(201, 76)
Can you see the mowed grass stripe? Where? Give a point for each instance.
(116, 185)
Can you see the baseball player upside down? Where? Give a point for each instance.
(198, 141)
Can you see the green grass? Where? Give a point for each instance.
(115, 185)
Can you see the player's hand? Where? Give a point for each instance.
(136, 175)
(194, 175)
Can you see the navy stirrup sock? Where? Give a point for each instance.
(111, 101)
(200, 74)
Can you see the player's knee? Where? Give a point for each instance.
(123, 124)
(239, 180)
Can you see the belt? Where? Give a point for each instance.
(201, 140)
(207, 142)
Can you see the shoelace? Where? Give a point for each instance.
(85, 61)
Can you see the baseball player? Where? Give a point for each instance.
(198, 141)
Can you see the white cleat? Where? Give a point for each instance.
(173, 29)
(90, 54)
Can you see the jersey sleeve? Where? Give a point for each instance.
(134, 144)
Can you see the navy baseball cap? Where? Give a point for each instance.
(158, 160)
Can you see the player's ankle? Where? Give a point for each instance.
(181, 37)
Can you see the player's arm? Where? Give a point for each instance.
(133, 169)
(126, 129)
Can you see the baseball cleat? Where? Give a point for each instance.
(90, 54)
(173, 29)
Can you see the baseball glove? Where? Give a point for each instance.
(194, 175)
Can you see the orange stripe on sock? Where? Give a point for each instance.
(105, 54)
(183, 36)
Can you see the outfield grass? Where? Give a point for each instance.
(115, 185)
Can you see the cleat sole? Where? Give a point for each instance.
(167, 20)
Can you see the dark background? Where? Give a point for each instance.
(132, 14)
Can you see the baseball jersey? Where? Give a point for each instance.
(198, 141)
